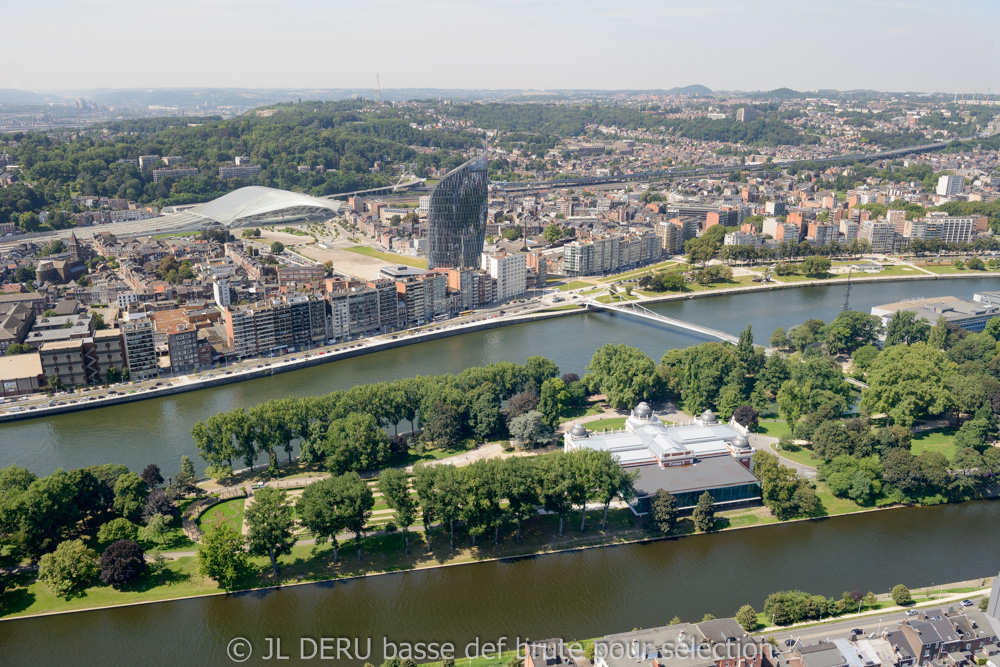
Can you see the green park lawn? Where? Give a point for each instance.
(638, 273)
(392, 258)
(774, 429)
(229, 512)
(574, 284)
(578, 411)
(949, 268)
(803, 455)
(798, 277)
(621, 296)
(179, 578)
(899, 270)
(606, 424)
(939, 440)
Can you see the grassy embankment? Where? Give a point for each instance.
(392, 258)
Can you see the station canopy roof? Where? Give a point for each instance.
(255, 205)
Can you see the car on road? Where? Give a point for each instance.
(911, 612)
(789, 642)
(858, 631)
(966, 603)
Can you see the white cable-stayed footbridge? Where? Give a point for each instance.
(618, 303)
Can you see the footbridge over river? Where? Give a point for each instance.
(618, 303)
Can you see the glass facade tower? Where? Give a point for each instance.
(456, 226)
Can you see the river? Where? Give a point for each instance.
(158, 430)
(571, 595)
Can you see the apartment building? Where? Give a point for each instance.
(509, 270)
(238, 170)
(880, 235)
(276, 325)
(425, 296)
(140, 349)
(538, 269)
(109, 352)
(68, 360)
(300, 275)
(671, 236)
(939, 225)
(949, 185)
(176, 173)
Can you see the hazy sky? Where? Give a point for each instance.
(925, 45)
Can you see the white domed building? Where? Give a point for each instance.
(685, 460)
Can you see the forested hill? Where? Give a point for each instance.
(334, 135)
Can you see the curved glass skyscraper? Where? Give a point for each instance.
(456, 223)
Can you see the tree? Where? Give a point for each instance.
(17, 348)
(393, 483)
(850, 330)
(187, 467)
(747, 417)
(277, 248)
(449, 492)
(938, 336)
(151, 476)
(704, 513)
(780, 339)
(908, 381)
(442, 426)
(122, 563)
(607, 480)
(815, 266)
(553, 401)
(521, 403)
(356, 503)
(118, 529)
(806, 334)
(270, 521)
(558, 484)
(519, 483)
(625, 375)
(975, 264)
(156, 529)
(355, 443)
(41, 513)
(130, 495)
(553, 232)
(158, 502)
(663, 511)
(859, 479)
(747, 618)
(319, 511)
(529, 430)
(70, 568)
(900, 594)
(424, 481)
(905, 328)
(223, 556)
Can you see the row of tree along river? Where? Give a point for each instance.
(573, 595)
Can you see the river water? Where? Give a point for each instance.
(159, 430)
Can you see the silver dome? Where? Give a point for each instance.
(643, 411)
(708, 417)
(740, 442)
(578, 431)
